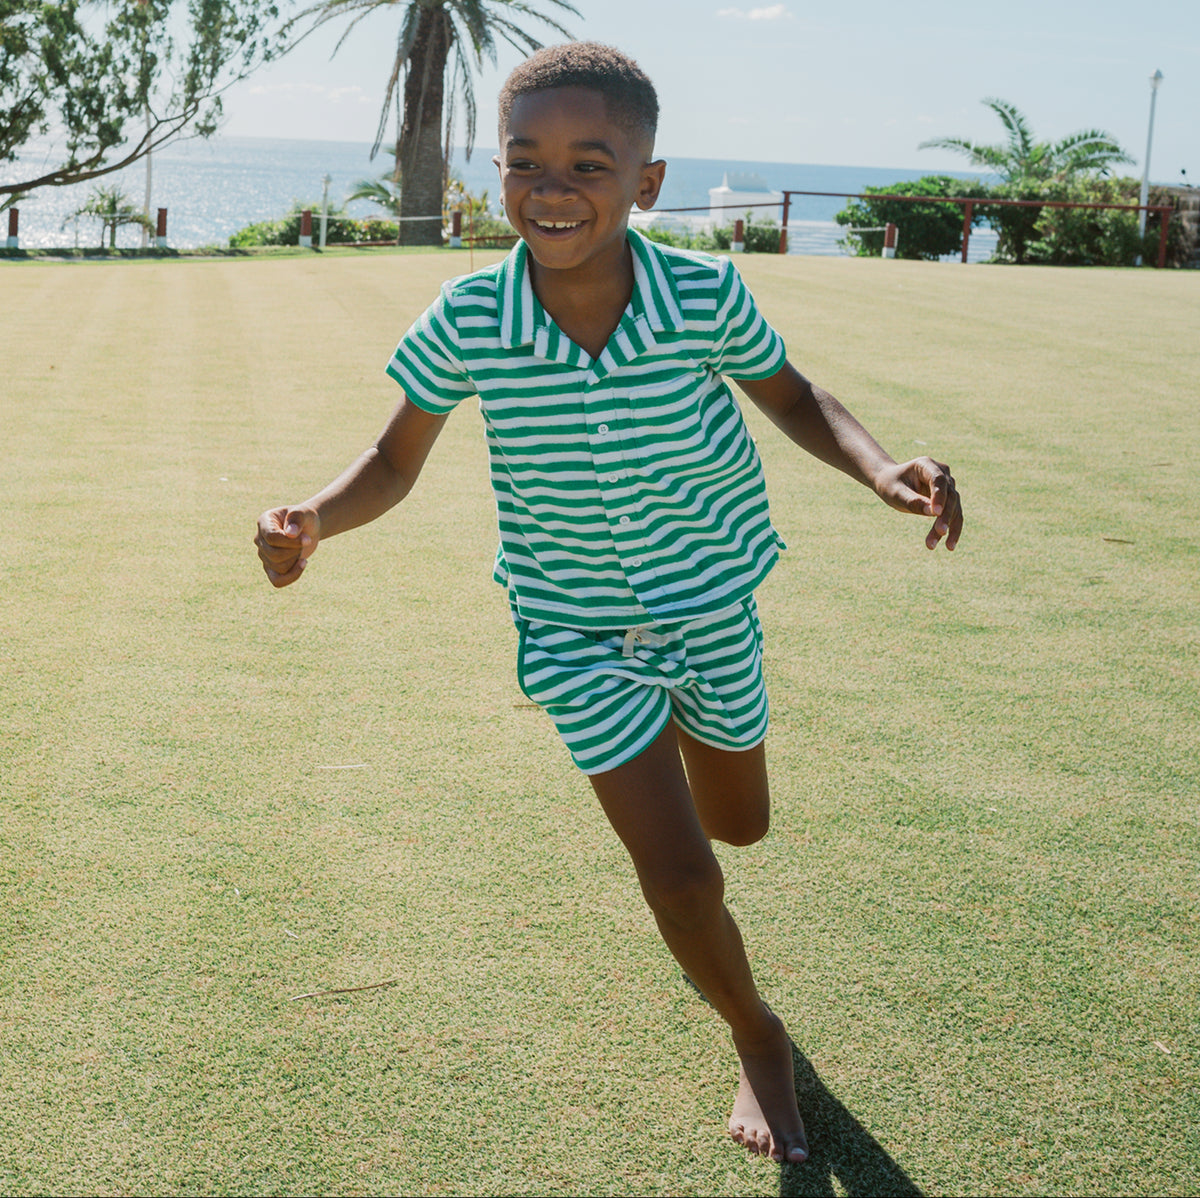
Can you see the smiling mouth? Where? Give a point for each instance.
(557, 224)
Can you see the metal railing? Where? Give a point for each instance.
(969, 203)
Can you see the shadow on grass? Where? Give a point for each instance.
(839, 1146)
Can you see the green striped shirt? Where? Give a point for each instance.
(628, 488)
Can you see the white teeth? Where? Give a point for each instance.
(557, 224)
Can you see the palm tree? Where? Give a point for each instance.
(1021, 159)
(436, 37)
(112, 208)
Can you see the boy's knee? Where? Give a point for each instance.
(685, 893)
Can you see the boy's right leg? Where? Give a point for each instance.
(649, 804)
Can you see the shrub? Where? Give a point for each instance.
(760, 238)
(1081, 236)
(1018, 226)
(926, 230)
(682, 239)
(485, 231)
(340, 229)
(1086, 236)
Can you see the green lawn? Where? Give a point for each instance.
(977, 909)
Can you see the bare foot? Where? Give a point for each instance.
(765, 1117)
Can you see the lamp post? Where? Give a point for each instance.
(325, 206)
(1155, 80)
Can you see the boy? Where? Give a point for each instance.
(632, 511)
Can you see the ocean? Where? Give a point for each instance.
(213, 188)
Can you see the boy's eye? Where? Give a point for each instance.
(588, 168)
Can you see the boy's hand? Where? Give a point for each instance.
(286, 539)
(925, 488)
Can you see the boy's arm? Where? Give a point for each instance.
(377, 481)
(815, 421)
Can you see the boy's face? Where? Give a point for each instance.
(569, 176)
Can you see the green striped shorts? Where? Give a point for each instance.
(611, 693)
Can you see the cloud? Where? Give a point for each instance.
(773, 12)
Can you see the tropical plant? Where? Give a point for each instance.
(480, 226)
(384, 191)
(112, 82)
(928, 231)
(1020, 158)
(113, 209)
(440, 42)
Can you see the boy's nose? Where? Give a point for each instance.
(554, 186)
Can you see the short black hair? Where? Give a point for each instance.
(629, 96)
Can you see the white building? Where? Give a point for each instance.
(738, 191)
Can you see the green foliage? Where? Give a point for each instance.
(760, 237)
(1017, 226)
(680, 239)
(1080, 236)
(341, 229)
(1103, 237)
(927, 231)
(113, 209)
(1022, 159)
(480, 226)
(1086, 236)
(113, 87)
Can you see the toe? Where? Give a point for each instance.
(796, 1153)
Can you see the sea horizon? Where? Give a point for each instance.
(212, 188)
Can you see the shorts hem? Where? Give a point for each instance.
(624, 757)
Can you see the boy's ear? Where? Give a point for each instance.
(653, 174)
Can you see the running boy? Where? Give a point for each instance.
(633, 517)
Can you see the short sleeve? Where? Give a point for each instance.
(746, 346)
(427, 363)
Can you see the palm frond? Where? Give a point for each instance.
(994, 157)
(1020, 136)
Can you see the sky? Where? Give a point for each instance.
(859, 84)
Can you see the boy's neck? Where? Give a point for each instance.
(587, 303)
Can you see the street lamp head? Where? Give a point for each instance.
(1156, 79)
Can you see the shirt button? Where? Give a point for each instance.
(636, 563)
(603, 428)
(614, 478)
(624, 519)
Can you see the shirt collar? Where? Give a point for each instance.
(655, 296)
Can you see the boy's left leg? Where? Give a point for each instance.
(650, 807)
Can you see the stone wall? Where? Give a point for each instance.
(1186, 201)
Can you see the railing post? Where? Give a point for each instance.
(968, 210)
(306, 228)
(1165, 216)
(739, 236)
(456, 229)
(787, 207)
(160, 234)
(14, 215)
(889, 240)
